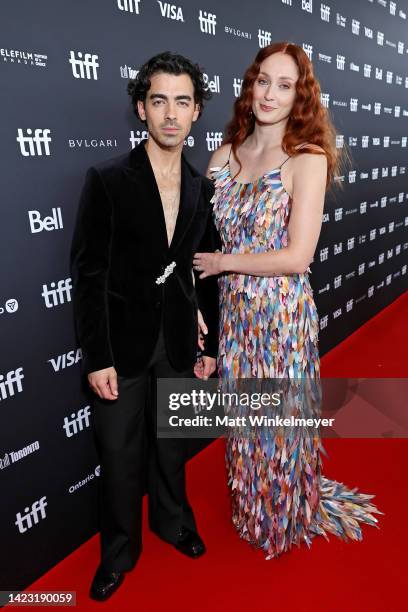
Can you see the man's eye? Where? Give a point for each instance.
(157, 102)
(183, 103)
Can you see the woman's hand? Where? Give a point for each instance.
(209, 264)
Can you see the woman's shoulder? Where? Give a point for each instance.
(221, 155)
(218, 159)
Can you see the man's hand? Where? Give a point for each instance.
(202, 330)
(204, 367)
(104, 383)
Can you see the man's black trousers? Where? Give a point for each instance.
(132, 458)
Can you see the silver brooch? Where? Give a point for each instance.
(169, 269)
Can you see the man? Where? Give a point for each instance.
(141, 218)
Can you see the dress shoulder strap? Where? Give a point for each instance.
(285, 161)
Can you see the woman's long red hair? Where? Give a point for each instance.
(309, 121)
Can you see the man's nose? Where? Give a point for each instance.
(171, 111)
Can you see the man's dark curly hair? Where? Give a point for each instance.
(169, 63)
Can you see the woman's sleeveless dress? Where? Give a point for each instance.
(269, 330)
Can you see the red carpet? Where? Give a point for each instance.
(232, 576)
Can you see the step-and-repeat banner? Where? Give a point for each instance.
(64, 69)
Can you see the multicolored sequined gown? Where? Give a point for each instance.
(269, 330)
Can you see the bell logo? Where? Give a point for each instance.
(48, 223)
(213, 85)
(32, 516)
(85, 62)
(37, 144)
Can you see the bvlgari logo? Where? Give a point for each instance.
(92, 143)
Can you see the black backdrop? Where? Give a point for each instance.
(64, 68)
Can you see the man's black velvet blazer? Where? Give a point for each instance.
(120, 248)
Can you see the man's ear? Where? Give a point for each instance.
(141, 110)
(196, 112)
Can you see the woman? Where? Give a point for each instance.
(270, 177)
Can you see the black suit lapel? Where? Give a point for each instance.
(142, 172)
(189, 194)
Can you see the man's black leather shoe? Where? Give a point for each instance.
(190, 543)
(105, 584)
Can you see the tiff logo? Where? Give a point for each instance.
(325, 99)
(324, 254)
(41, 140)
(237, 85)
(31, 517)
(264, 38)
(11, 383)
(337, 281)
(76, 423)
(214, 140)
(56, 295)
(355, 27)
(85, 63)
(340, 61)
(208, 21)
(308, 49)
(131, 6)
(323, 321)
(339, 141)
(135, 140)
(325, 12)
